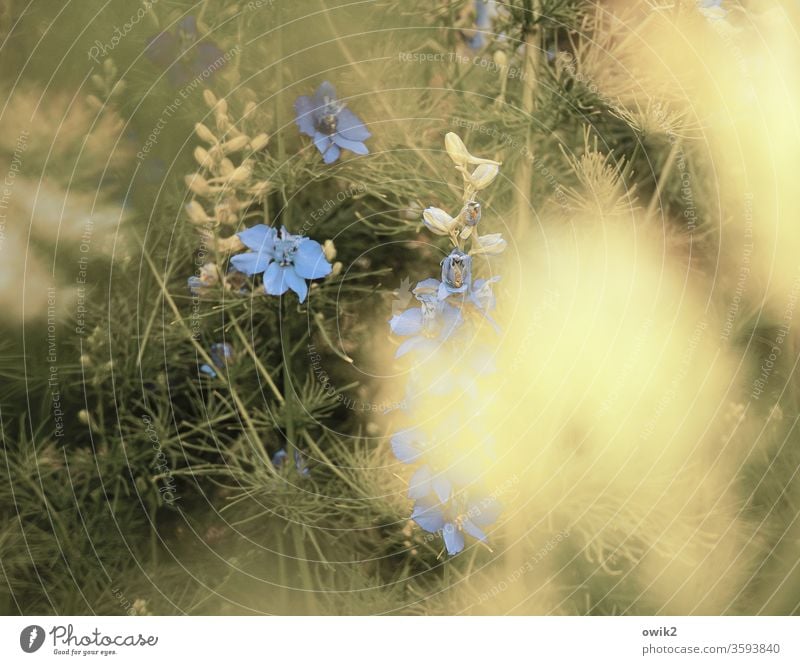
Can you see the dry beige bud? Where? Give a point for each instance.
(196, 213)
(236, 144)
(198, 184)
(203, 157)
(329, 249)
(210, 98)
(204, 133)
(259, 142)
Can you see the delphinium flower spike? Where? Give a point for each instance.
(449, 308)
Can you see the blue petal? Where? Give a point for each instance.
(350, 127)
(309, 260)
(325, 90)
(188, 26)
(296, 283)
(442, 487)
(331, 154)
(407, 445)
(407, 323)
(258, 237)
(208, 58)
(428, 517)
(207, 369)
(473, 530)
(305, 119)
(300, 463)
(353, 146)
(453, 539)
(416, 343)
(279, 458)
(251, 263)
(322, 141)
(419, 485)
(275, 283)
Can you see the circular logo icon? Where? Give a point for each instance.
(31, 638)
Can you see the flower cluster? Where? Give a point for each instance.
(223, 190)
(183, 53)
(441, 332)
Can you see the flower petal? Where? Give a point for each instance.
(419, 485)
(350, 127)
(325, 89)
(251, 263)
(453, 539)
(442, 487)
(331, 154)
(429, 517)
(309, 260)
(353, 146)
(275, 283)
(207, 59)
(296, 283)
(485, 512)
(473, 530)
(322, 141)
(407, 445)
(258, 237)
(304, 108)
(407, 323)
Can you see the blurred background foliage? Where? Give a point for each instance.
(586, 140)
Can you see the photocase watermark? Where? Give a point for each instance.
(744, 269)
(768, 364)
(258, 4)
(8, 182)
(480, 61)
(172, 108)
(161, 464)
(102, 49)
(315, 360)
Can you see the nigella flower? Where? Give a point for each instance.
(280, 458)
(221, 353)
(456, 273)
(428, 325)
(285, 260)
(332, 126)
(485, 11)
(181, 55)
(456, 517)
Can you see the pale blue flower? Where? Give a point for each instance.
(456, 517)
(285, 260)
(221, 353)
(281, 457)
(428, 325)
(712, 9)
(332, 126)
(183, 54)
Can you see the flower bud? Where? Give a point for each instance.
(336, 269)
(483, 176)
(198, 184)
(204, 133)
(472, 213)
(457, 271)
(210, 98)
(438, 221)
(240, 174)
(329, 249)
(500, 59)
(249, 108)
(196, 213)
(259, 142)
(203, 157)
(456, 149)
(236, 144)
(491, 244)
(226, 167)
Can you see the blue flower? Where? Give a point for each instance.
(456, 273)
(220, 354)
(280, 458)
(409, 445)
(712, 9)
(485, 11)
(428, 325)
(181, 55)
(456, 517)
(285, 260)
(330, 124)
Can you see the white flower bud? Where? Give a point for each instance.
(456, 149)
(196, 213)
(204, 133)
(226, 167)
(236, 144)
(210, 98)
(491, 244)
(240, 174)
(198, 184)
(500, 59)
(259, 142)
(438, 221)
(329, 249)
(483, 176)
(203, 157)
